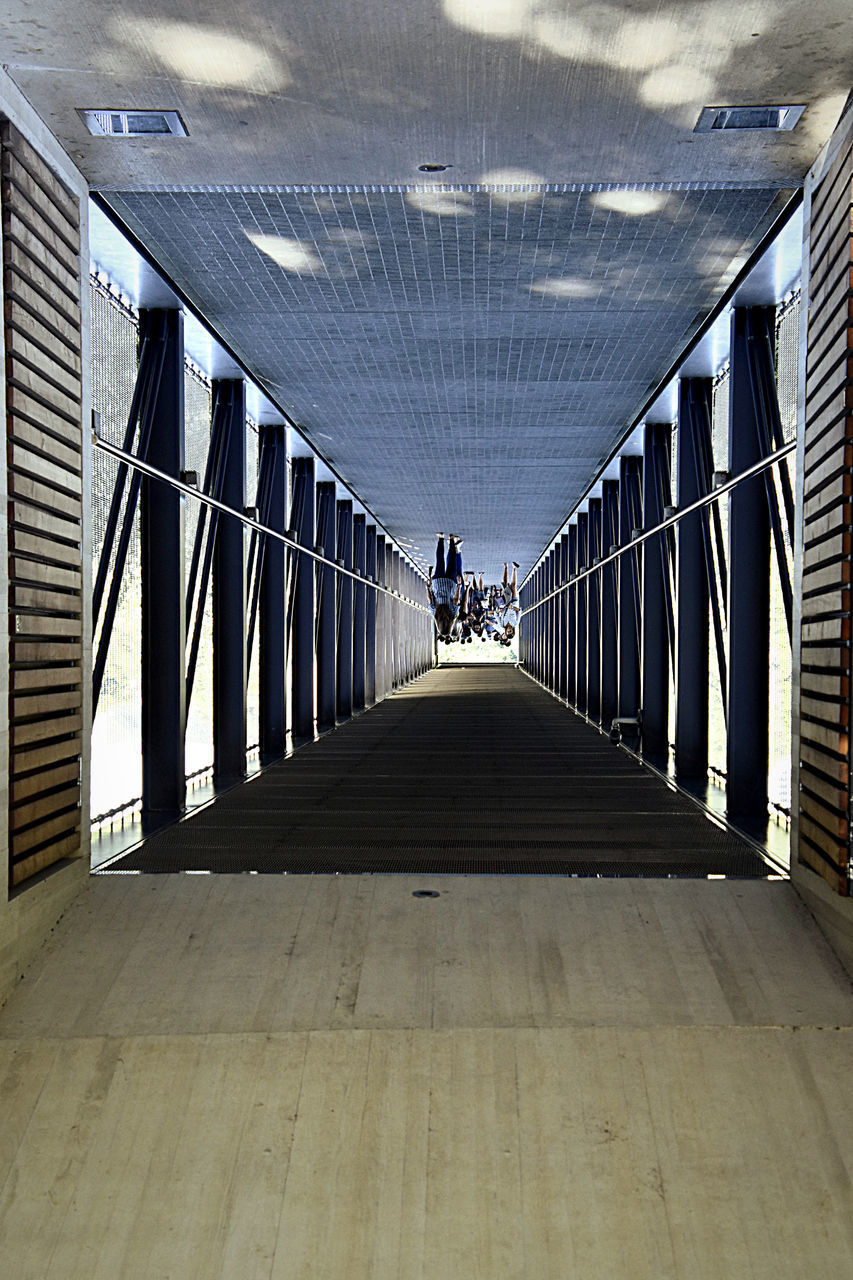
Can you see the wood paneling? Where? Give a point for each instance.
(42, 347)
(824, 797)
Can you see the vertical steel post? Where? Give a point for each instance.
(554, 620)
(593, 617)
(545, 611)
(655, 632)
(747, 744)
(302, 639)
(530, 629)
(229, 592)
(562, 615)
(381, 620)
(403, 671)
(344, 611)
(609, 651)
(358, 613)
(163, 589)
(629, 641)
(392, 571)
(540, 625)
(370, 618)
(327, 606)
(272, 611)
(522, 634)
(571, 615)
(692, 600)
(544, 581)
(405, 657)
(581, 609)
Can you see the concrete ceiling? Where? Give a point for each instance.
(508, 315)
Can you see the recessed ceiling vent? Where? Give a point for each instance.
(133, 124)
(713, 119)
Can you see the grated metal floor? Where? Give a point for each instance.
(469, 770)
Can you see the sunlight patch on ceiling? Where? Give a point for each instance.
(676, 85)
(446, 204)
(502, 18)
(290, 255)
(205, 55)
(633, 203)
(676, 51)
(564, 287)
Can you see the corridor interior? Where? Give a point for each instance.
(489, 1070)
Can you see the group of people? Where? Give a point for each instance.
(462, 607)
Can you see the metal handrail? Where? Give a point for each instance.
(154, 472)
(756, 469)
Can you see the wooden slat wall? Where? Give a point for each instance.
(824, 820)
(42, 343)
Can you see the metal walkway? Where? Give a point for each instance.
(468, 770)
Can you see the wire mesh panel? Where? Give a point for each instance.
(720, 419)
(199, 739)
(787, 374)
(717, 518)
(116, 733)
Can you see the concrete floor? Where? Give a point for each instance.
(263, 1076)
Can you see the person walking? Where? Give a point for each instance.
(446, 586)
(511, 611)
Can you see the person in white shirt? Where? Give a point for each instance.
(511, 611)
(446, 586)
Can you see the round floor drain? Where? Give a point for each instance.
(425, 893)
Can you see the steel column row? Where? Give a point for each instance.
(329, 645)
(350, 646)
(620, 642)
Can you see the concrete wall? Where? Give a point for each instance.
(28, 914)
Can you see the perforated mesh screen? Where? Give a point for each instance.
(720, 420)
(199, 740)
(717, 517)
(116, 734)
(787, 365)
(787, 380)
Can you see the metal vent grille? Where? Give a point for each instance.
(133, 124)
(713, 119)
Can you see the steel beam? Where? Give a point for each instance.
(229, 592)
(749, 587)
(609, 605)
(302, 636)
(655, 630)
(272, 610)
(563, 619)
(630, 473)
(359, 557)
(370, 618)
(571, 615)
(163, 591)
(382, 604)
(344, 611)
(593, 617)
(691, 596)
(581, 610)
(327, 608)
